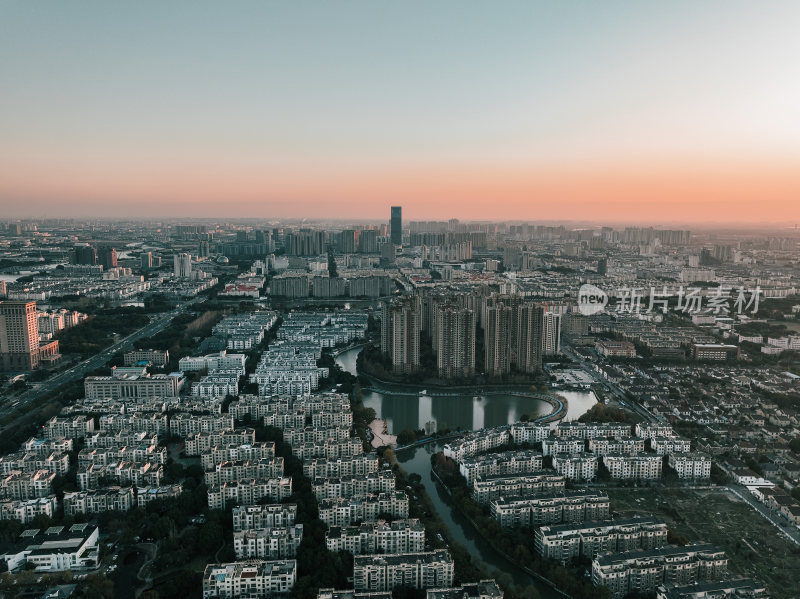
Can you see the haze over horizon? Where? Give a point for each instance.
(620, 112)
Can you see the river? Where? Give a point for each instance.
(470, 412)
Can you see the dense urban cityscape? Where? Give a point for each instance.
(398, 409)
(399, 300)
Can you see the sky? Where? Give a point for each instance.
(657, 112)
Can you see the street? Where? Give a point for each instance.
(98, 360)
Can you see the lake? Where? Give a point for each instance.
(468, 411)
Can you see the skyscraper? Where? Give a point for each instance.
(183, 265)
(529, 338)
(19, 335)
(107, 256)
(455, 341)
(551, 334)
(397, 225)
(147, 260)
(400, 328)
(368, 241)
(497, 325)
(84, 254)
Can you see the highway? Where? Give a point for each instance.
(97, 361)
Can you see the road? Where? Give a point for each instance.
(98, 360)
(783, 525)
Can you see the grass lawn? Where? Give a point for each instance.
(754, 547)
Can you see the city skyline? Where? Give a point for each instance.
(620, 113)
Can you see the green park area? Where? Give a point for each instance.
(755, 548)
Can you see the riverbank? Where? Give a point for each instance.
(380, 436)
(558, 403)
(491, 543)
(511, 543)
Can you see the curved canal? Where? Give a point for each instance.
(467, 412)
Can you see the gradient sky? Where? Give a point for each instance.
(675, 111)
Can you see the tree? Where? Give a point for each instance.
(407, 436)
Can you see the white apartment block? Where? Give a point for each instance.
(230, 471)
(128, 385)
(221, 361)
(365, 508)
(669, 445)
(641, 466)
(647, 430)
(18, 485)
(476, 442)
(31, 462)
(201, 443)
(329, 449)
(311, 434)
(143, 423)
(359, 465)
(108, 455)
(399, 536)
(593, 430)
(135, 473)
(427, 570)
(498, 464)
(46, 446)
(248, 491)
(693, 465)
(26, 510)
(270, 515)
(267, 543)
(578, 467)
(485, 490)
(121, 438)
(286, 420)
(603, 447)
(554, 445)
(235, 452)
(70, 428)
(565, 506)
(529, 432)
(186, 425)
(644, 571)
(564, 542)
(99, 500)
(253, 579)
(329, 419)
(145, 495)
(375, 482)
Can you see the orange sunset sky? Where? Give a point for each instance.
(585, 111)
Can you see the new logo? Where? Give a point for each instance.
(591, 299)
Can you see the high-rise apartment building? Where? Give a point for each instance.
(498, 321)
(368, 241)
(400, 330)
(455, 341)
(147, 260)
(348, 241)
(107, 256)
(183, 265)
(529, 337)
(19, 336)
(397, 225)
(551, 334)
(84, 254)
